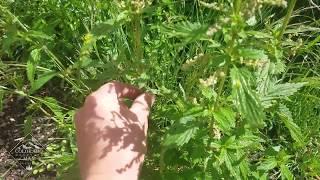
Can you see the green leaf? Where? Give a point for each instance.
(54, 106)
(260, 35)
(187, 31)
(224, 157)
(285, 172)
(42, 80)
(39, 35)
(268, 164)
(252, 54)
(295, 131)
(246, 99)
(225, 119)
(279, 91)
(27, 125)
(102, 29)
(32, 63)
(181, 132)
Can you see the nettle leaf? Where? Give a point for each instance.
(252, 54)
(225, 119)
(268, 164)
(295, 131)
(32, 63)
(39, 35)
(187, 31)
(181, 132)
(42, 80)
(284, 90)
(285, 172)
(54, 106)
(103, 28)
(246, 99)
(279, 91)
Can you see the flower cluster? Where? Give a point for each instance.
(211, 81)
(138, 5)
(192, 61)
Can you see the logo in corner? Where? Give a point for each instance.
(27, 150)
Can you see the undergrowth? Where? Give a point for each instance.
(237, 82)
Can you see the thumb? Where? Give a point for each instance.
(141, 106)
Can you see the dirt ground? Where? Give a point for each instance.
(12, 133)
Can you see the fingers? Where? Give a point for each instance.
(142, 104)
(120, 90)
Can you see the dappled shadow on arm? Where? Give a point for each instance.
(121, 130)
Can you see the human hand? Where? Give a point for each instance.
(111, 137)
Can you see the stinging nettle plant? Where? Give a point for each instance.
(238, 95)
(220, 69)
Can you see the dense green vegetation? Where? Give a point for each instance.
(237, 81)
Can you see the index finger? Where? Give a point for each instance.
(119, 90)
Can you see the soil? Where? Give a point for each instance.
(12, 133)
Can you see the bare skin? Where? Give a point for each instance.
(111, 137)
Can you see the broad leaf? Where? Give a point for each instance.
(42, 80)
(225, 119)
(181, 132)
(284, 90)
(285, 172)
(187, 31)
(32, 63)
(54, 106)
(295, 131)
(252, 54)
(268, 164)
(246, 99)
(102, 29)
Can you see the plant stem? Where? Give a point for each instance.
(287, 18)
(221, 85)
(237, 5)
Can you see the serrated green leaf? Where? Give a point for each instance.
(279, 91)
(285, 172)
(42, 80)
(295, 131)
(252, 54)
(225, 157)
(225, 119)
(181, 132)
(186, 31)
(54, 106)
(33, 61)
(246, 99)
(284, 90)
(268, 164)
